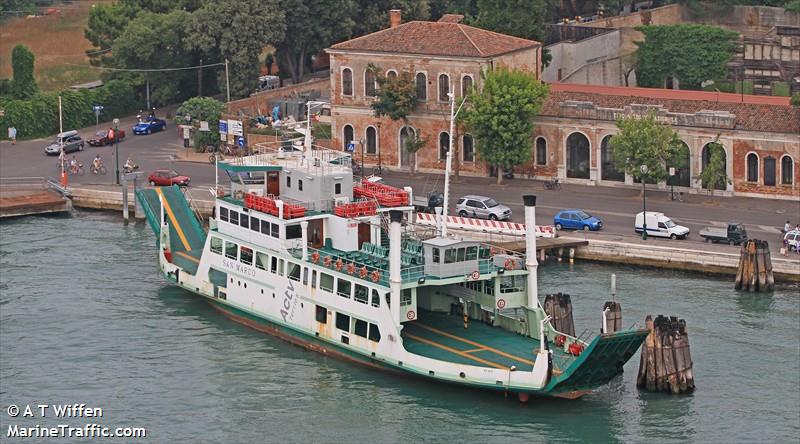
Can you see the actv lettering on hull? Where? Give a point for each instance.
(290, 298)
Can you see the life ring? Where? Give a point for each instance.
(362, 273)
(509, 264)
(575, 348)
(328, 260)
(376, 276)
(351, 268)
(315, 257)
(560, 340)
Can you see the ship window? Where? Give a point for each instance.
(274, 230)
(265, 227)
(343, 322)
(216, 245)
(322, 314)
(305, 276)
(255, 224)
(405, 297)
(274, 265)
(230, 250)
(376, 298)
(472, 253)
(435, 255)
(374, 333)
(361, 294)
(246, 256)
(280, 267)
(293, 271)
(293, 232)
(326, 282)
(234, 219)
(360, 328)
(449, 255)
(388, 298)
(244, 221)
(288, 181)
(337, 188)
(511, 284)
(314, 279)
(223, 214)
(300, 185)
(261, 260)
(344, 288)
(488, 287)
(460, 255)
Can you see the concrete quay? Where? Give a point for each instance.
(25, 199)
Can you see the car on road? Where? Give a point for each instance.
(576, 220)
(151, 125)
(659, 225)
(792, 240)
(101, 138)
(71, 140)
(168, 178)
(482, 207)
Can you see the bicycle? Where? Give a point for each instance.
(76, 170)
(101, 170)
(552, 184)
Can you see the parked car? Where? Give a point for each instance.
(659, 225)
(151, 125)
(792, 240)
(482, 207)
(734, 234)
(167, 178)
(71, 140)
(101, 138)
(577, 220)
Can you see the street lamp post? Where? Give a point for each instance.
(643, 169)
(672, 183)
(116, 145)
(361, 141)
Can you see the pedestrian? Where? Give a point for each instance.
(787, 227)
(111, 135)
(12, 134)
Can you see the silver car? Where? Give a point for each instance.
(482, 207)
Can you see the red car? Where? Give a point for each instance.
(167, 178)
(101, 138)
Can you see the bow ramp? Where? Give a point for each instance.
(187, 237)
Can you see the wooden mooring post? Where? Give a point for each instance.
(612, 317)
(666, 361)
(755, 267)
(559, 307)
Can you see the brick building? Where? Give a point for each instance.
(760, 135)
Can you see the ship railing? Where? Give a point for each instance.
(375, 269)
(316, 205)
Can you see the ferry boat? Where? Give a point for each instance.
(301, 249)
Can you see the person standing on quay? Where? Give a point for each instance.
(12, 134)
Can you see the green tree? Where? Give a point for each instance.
(397, 96)
(412, 145)
(237, 30)
(795, 100)
(373, 15)
(691, 53)
(645, 141)
(23, 85)
(793, 6)
(202, 109)
(500, 116)
(520, 18)
(314, 25)
(16, 8)
(106, 23)
(714, 175)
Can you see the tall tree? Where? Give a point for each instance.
(374, 14)
(500, 116)
(106, 23)
(643, 140)
(237, 30)
(397, 96)
(23, 85)
(714, 175)
(520, 18)
(311, 26)
(691, 53)
(202, 109)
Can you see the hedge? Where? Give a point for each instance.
(38, 116)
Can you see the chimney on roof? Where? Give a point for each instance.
(395, 18)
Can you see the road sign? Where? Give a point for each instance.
(223, 127)
(235, 127)
(97, 109)
(240, 141)
(351, 147)
(204, 126)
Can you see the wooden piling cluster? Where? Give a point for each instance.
(559, 307)
(755, 267)
(666, 360)
(613, 316)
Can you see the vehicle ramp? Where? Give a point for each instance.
(187, 237)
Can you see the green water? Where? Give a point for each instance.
(85, 318)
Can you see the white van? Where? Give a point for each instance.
(660, 226)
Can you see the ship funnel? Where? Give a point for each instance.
(395, 217)
(530, 250)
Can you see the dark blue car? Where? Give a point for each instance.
(576, 220)
(150, 125)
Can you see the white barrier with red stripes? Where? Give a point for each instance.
(486, 226)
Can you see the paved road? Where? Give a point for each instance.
(616, 206)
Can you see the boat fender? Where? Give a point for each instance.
(328, 261)
(560, 340)
(376, 276)
(351, 268)
(509, 264)
(339, 264)
(362, 273)
(575, 348)
(315, 257)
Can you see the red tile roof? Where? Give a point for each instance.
(753, 113)
(437, 39)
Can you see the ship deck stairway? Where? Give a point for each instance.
(187, 237)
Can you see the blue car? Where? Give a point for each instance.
(576, 220)
(150, 125)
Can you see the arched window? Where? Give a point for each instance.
(369, 83)
(466, 85)
(608, 170)
(391, 74)
(347, 82)
(468, 148)
(683, 168)
(444, 145)
(372, 140)
(347, 136)
(752, 167)
(422, 86)
(577, 156)
(787, 170)
(541, 151)
(444, 87)
(712, 151)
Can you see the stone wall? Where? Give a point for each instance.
(665, 15)
(593, 60)
(259, 103)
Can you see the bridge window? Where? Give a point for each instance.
(255, 224)
(230, 250)
(360, 328)
(293, 271)
(244, 221)
(343, 322)
(223, 214)
(376, 298)
(460, 255)
(322, 314)
(374, 333)
(326, 282)
(472, 253)
(274, 230)
(435, 255)
(294, 232)
(344, 288)
(246, 256)
(405, 297)
(216, 245)
(361, 294)
(449, 255)
(265, 227)
(261, 260)
(234, 218)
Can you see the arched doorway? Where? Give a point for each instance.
(714, 152)
(608, 170)
(405, 157)
(683, 170)
(577, 156)
(347, 136)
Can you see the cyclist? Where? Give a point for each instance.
(74, 165)
(97, 163)
(129, 165)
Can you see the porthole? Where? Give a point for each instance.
(462, 375)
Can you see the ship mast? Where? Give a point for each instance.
(449, 163)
